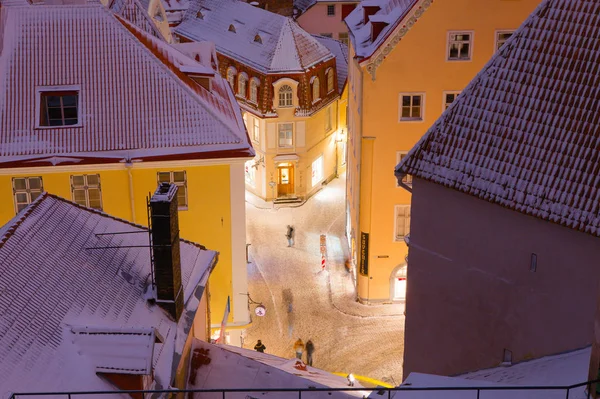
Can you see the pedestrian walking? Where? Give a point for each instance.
(260, 347)
(290, 235)
(310, 348)
(299, 348)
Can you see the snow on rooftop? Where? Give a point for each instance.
(54, 287)
(223, 366)
(285, 46)
(392, 12)
(525, 132)
(132, 95)
(340, 51)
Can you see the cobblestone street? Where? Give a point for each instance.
(304, 302)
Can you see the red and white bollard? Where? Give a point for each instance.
(322, 262)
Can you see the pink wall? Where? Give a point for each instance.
(316, 21)
(471, 294)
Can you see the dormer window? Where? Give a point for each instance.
(330, 82)
(258, 39)
(285, 96)
(231, 28)
(316, 90)
(59, 108)
(376, 28)
(199, 15)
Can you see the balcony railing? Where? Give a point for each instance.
(577, 391)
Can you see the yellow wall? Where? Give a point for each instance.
(417, 64)
(207, 220)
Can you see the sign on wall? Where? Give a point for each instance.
(364, 253)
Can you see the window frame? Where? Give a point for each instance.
(445, 104)
(449, 45)
(400, 238)
(285, 93)
(496, 38)
(330, 80)
(242, 80)
(231, 74)
(279, 135)
(178, 184)
(315, 88)
(256, 130)
(320, 162)
(330, 7)
(408, 179)
(401, 106)
(27, 191)
(86, 186)
(343, 39)
(250, 173)
(328, 119)
(254, 89)
(43, 90)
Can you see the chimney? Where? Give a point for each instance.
(165, 249)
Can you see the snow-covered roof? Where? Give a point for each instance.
(389, 12)
(54, 289)
(230, 367)
(134, 101)
(303, 5)
(551, 371)
(284, 46)
(136, 12)
(525, 133)
(175, 10)
(340, 51)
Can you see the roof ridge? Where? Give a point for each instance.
(18, 220)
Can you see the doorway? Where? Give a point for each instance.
(398, 284)
(285, 180)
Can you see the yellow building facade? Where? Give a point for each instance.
(406, 69)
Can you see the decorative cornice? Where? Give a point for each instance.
(402, 29)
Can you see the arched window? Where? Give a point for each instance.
(316, 93)
(242, 83)
(258, 39)
(254, 84)
(330, 84)
(231, 28)
(285, 96)
(231, 77)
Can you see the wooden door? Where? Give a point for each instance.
(285, 180)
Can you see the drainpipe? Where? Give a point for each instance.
(128, 165)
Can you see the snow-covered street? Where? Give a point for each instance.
(304, 302)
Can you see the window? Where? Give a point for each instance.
(459, 46)
(242, 80)
(85, 190)
(330, 35)
(26, 190)
(449, 98)
(250, 172)
(254, 90)
(408, 178)
(402, 221)
(59, 108)
(180, 180)
(231, 28)
(285, 96)
(258, 39)
(328, 124)
(317, 171)
(330, 82)
(343, 37)
(199, 15)
(502, 37)
(256, 131)
(330, 10)
(286, 135)
(411, 107)
(231, 77)
(316, 93)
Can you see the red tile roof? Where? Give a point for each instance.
(134, 100)
(525, 133)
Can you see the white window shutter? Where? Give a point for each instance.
(271, 137)
(300, 134)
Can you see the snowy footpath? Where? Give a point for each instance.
(302, 301)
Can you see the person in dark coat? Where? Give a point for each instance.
(290, 235)
(310, 348)
(260, 347)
